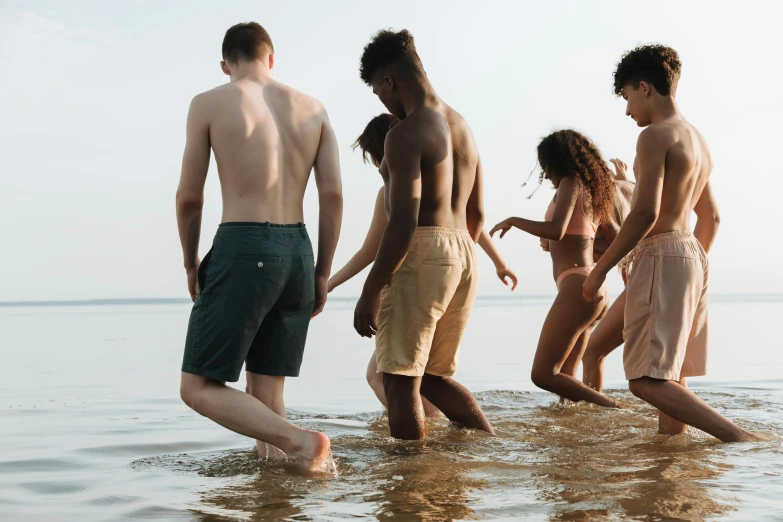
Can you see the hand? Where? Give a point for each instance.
(544, 244)
(365, 317)
(504, 273)
(330, 285)
(321, 289)
(504, 226)
(592, 286)
(620, 168)
(192, 274)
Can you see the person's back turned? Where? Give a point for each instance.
(260, 285)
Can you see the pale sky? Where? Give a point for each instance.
(94, 97)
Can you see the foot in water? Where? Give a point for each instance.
(759, 436)
(314, 453)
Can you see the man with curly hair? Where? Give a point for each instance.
(419, 293)
(665, 329)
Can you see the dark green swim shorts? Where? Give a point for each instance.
(256, 295)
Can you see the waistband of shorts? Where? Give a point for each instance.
(665, 237)
(272, 228)
(441, 232)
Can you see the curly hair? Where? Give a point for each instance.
(567, 153)
(389, 48)
(657, 65)
(374, 134)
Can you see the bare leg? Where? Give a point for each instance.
(571, 365)
(455, 401)
(678, 402)
(375, 380)
(668, 425)
(269, 390)
(244, 414)
(569, 317)
(406, 414)
(606, 337)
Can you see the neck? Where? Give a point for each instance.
(255, 70)
(419, 92)
(664, 108)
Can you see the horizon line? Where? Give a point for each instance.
(184, 300)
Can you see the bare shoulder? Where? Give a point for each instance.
(658, 135)
(405, 135)
(303, 103)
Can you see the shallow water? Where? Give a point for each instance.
(92, 429)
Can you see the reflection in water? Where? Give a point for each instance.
(548, 462)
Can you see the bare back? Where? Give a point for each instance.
(449, 164)
(266, 137)
(686, 172)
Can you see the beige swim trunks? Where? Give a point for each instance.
(666, 309)
(425, 309)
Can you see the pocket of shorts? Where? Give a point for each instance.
(201, 273)
(442, 261)
(653, 274)
(308, 296)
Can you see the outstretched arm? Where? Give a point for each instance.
(366, 254)
(707, 218)
(555, 229)
(190, 192)
(330, 203)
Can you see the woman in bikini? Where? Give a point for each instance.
(371, 144)
(583, 201)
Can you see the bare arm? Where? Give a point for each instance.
(475, 208)
(651, 153)
(555, 229)
(403, 159)
(366, 254)
(330, 215)
(190, 192)
(503, 272)
(485, 242)
(707, 218)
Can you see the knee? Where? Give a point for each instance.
(374, 379)
(637, 387)
(592, 359)
(269, 397)
(191, 392)
(541, 378)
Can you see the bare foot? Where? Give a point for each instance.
(314, 453)
(759, 437)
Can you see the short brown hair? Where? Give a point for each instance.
(374, 135)
(246, 41)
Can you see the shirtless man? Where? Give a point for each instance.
(258, 287)
(666, 310)
(418, 295)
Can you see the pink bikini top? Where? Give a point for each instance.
(580, 224)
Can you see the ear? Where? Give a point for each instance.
(646, 88)
(224, 68)
(271, 62)
(389, 82)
